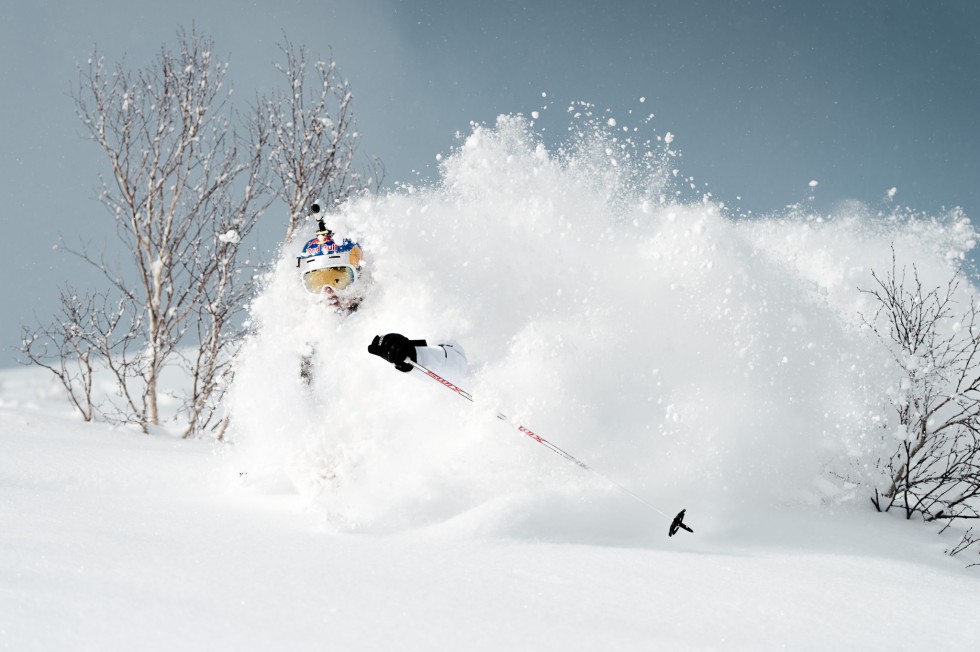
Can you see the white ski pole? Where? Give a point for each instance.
(676, 524)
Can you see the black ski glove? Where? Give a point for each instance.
(395, 348)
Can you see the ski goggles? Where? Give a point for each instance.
(337, 278)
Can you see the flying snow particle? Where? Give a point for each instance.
(642, 100)
(612, 122)
(535, 114)
(814, 183)
(669, 138)
(901, 433)
(891, 193)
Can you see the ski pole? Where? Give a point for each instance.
(676, 524)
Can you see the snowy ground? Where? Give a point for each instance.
(113, 540)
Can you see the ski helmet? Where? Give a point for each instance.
(324, 263)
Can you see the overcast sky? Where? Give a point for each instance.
(763, 96)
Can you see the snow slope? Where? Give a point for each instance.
(703, 360)
(112, 540)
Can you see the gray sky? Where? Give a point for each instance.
(862, 95)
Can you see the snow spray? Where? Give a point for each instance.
(690, 352)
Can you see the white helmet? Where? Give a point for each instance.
(324, 263)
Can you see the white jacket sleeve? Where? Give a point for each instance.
(447, 360)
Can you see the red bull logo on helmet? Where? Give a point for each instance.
(323, 252)
(326, 245)
(319, 245)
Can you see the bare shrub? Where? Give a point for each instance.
(75, 344)
(934, 469)
(968, 541)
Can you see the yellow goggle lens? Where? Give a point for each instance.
(337, 278)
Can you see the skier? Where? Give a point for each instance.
(333, 271)
(330, 270)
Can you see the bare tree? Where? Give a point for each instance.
(184, 192)
(313, 137)
(935, 468)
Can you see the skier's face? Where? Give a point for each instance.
(342, 301)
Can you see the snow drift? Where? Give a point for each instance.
(702, 359)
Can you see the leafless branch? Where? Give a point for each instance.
(313, 137)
